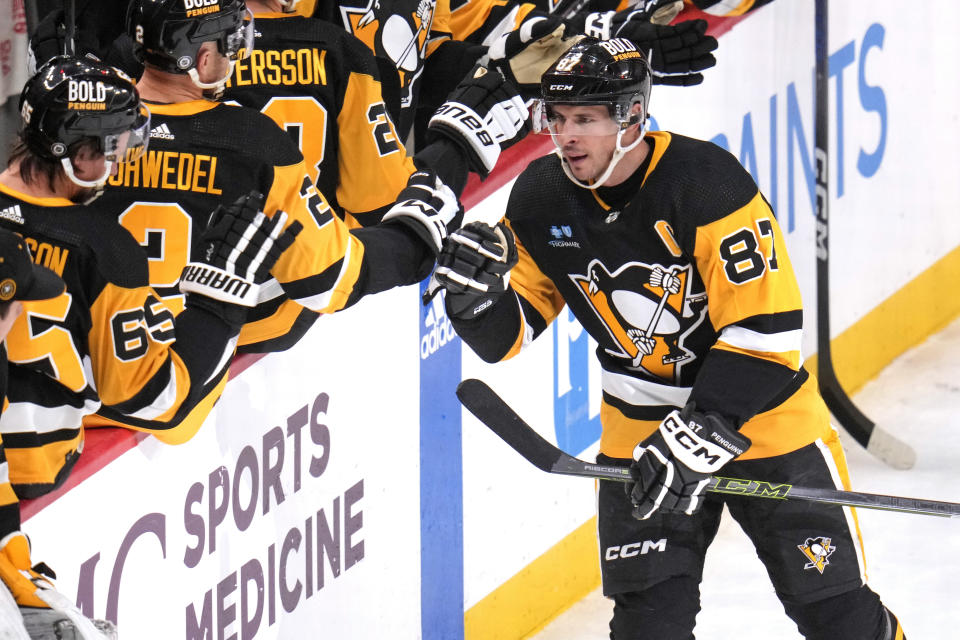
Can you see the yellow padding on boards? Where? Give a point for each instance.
(541, 591)
(570, 569)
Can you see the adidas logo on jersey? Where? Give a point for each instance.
(12, 213)
(162, 131)
(437, 328)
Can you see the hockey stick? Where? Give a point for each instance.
(70, 24)
(491, 410)
(878, 442)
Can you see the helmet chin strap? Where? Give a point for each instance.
(97, 185)
(217, 86)
(618, 154)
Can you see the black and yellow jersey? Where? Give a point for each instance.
(108, 341)
(322, 86)
(205, 153)
(686, 287)
(403, 32)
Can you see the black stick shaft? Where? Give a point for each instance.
(495, 413)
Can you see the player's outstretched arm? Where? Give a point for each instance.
(166, 370)
(239, 246)
(474, 268)
(483, 116)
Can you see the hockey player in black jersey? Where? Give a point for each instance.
(669, 256)
(107, 341)
(322, 86)
(203, 151)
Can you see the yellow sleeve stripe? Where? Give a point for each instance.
(40, 465)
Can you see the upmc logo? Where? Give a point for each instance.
(437, 328)
(576, 376)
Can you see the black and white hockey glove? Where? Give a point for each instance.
(428, 207)
(672, 467)
(677, 53)
(483, 116)
(524, 54)
(30, 602)
(234, 256)
(474, 268)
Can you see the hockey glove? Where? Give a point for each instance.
(677, 53)
(524, 54)
(48, 39)
(672, 467)
(483, 116)
(235, 254)
(46, 612)
(428, 207)
(474, 267)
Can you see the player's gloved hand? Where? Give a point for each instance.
(474, 268)
(234, 256)
(522, 55)
(46, 613)
(672, 467)
(483, 115)
(48, 38)
(677, 53)
(428, 207)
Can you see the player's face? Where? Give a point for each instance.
(587, 137)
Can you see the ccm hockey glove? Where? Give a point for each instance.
(522, 55)
(474, 267)
(235, 254)
(46, 613)
(672, 467)
(483, 116)
(428, 207)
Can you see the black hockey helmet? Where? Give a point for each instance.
(611, 72)
(167, 34)
(71, 100)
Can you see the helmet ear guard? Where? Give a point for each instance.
(612, 73)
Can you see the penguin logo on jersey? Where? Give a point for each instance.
(817, 551)
(392, 33)
(648, 310)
